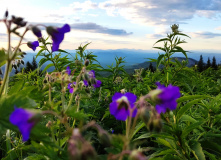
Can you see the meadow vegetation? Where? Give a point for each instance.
(173, 113)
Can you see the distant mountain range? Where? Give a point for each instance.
(130, 69)
(133, 58)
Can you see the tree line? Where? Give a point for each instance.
(201, 66)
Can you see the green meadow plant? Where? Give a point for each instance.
(171, 45)
(73, 113)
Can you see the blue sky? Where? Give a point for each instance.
(117, 24)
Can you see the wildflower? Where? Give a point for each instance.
(98, 84)
(167, 97)
(122, 105)
(71, 87)
(33, 45)
(21, 118)
(91, 74)
(57, 35)
(68, 71)
(85, 83)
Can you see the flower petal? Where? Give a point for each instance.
(66, 28)
(160, 108)
(121, 114)
(116, 96)
(131, 97)
(113, 108)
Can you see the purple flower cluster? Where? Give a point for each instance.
(122, 104)
(71, 87)
(57, 35)
(21, 118)
(91, 75)
(167, 97)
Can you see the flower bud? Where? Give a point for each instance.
(136, 155)
(73, 150)
(19, 21)
(174, 28)
(49, 124)
(154, 95)
(36, 31)
(85, 76)
(105, 138)
(155, 123)
(50, 30)
(86, 62)
(93, 81)
(88, 152)
(6, 13)
(77, 62)
(145, 114)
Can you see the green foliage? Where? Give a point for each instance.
(80, 123)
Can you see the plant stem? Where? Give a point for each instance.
(8, 142)
(49, 93)
(75, 89)
(78, 106)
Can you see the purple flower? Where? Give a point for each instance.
(122, 104)
(57, 35)
(68, 71)
(71, 87)
(85, 83)
(98, 84)
(21, 118)
(167, 97)
(91, 74)
(33, 45)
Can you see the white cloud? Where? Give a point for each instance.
(155, 12)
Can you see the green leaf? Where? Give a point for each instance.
(164, 142)
(36, 157)
(2, 55)
(16, 87)
(163, 39)
(211, 156)
(186, 98)
(42, 61)
(48, 66)
(187, 106)
(190, 128)
(188, 119)
(159, 60)
(197, 150)
(138, 127)
(179, 49)
(163, 49)
(39, 53)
